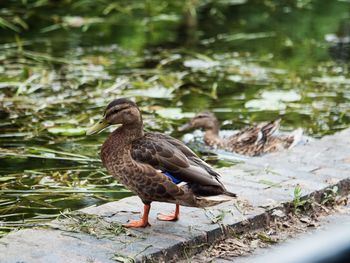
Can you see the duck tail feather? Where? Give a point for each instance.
(206, 201)
(297, 136)
(230, 194)
(271, 127)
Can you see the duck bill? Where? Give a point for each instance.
(185, 127)
(97, 127)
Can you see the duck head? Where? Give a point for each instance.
(119, 111)
(203, 120)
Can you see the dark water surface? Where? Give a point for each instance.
(247, 61)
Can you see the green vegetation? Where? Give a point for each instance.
(298, 201)
(90, 224)
(330, 196)
(62, 61)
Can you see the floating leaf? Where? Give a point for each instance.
(273, 100)
(6, 178)
(200, 63)
(335, 80)
(286, 96)
(67, 131)
(153, 92)
(174, 113)
(264, 104)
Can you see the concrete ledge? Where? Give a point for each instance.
(263, 184)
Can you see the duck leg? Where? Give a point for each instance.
(143, 222)
(171, 217)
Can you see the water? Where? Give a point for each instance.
(246, 61)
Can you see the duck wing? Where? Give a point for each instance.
(172, 156)
(256, 134)
(193, 158)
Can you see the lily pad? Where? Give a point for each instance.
(200, 63)
(287, 96)
(331, 80)
(174, 113)
(67, 131)
(264, 104)
(154, 92)
(273, 100)
(6, 178)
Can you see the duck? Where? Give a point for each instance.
(155, 166)
(251, 141)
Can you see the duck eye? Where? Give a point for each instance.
(115, 111)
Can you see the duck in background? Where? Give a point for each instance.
(339, 49)
(251, 141)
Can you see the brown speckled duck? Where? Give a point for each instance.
(155, 166)
(251, 141)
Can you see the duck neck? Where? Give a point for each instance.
(119, 143)
(211, 136)
(131, 132)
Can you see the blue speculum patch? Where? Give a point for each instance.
(173, 178)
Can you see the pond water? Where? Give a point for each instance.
(247, 61)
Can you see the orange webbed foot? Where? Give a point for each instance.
(143, 222)
(170, 217)
(137, 224)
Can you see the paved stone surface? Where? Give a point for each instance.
(330, 226)
(262, 184)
